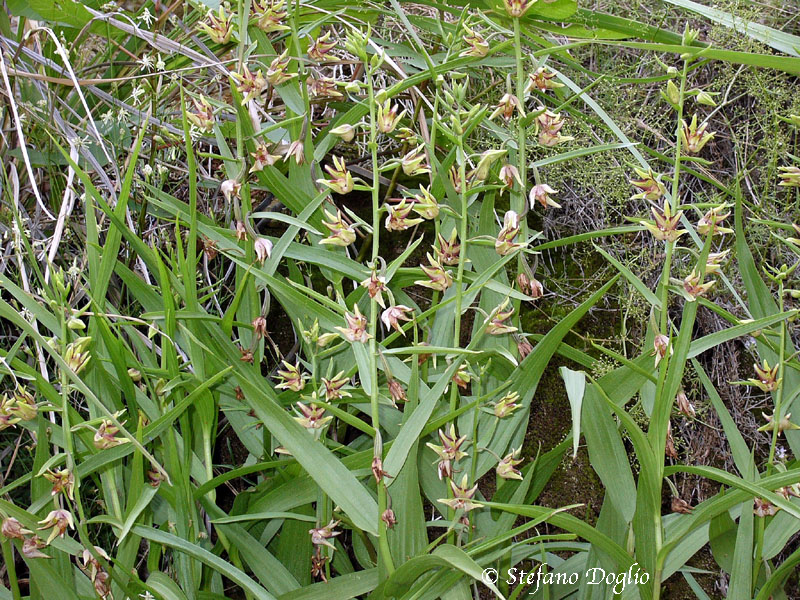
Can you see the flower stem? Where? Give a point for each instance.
(385, 557)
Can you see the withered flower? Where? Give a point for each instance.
(764, 508)
(670, 446)
(13, 529)
(260, 327)
(661, 346)
(263, 249)
(377, 470)
(389, 518)
(684, 405)
(31, 547)
(396, 391)
(679, 505)
(295, 150)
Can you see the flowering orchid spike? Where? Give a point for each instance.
(311, 416)
(356, 330)
(219, 27)
(507, 467)
(398, 218)
(449, 250)
(517, 9)
(341, 180)
(694, 137)
(262, 157)
(649, 185)
(438, 278)
(542, 80)
(251, 85)
(506, 405)
(541, 193)
(341, 233)
(270, 15)
(375, 285)
(425, 205)
(790, 176)
(504, 244)
(333, 387)
(291, 378)
(321, 47)
(203, 115)
(462, 496)
(548, 127)
(498, 325)
(666, 224)
(506, 107)
(392, 315)
(477, 45)
(387, 116)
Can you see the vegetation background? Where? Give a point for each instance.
(309, 299)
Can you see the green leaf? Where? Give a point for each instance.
(575, 382)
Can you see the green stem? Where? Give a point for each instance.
(11, 570)
(385, 560)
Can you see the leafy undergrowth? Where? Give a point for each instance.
(336, 300)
